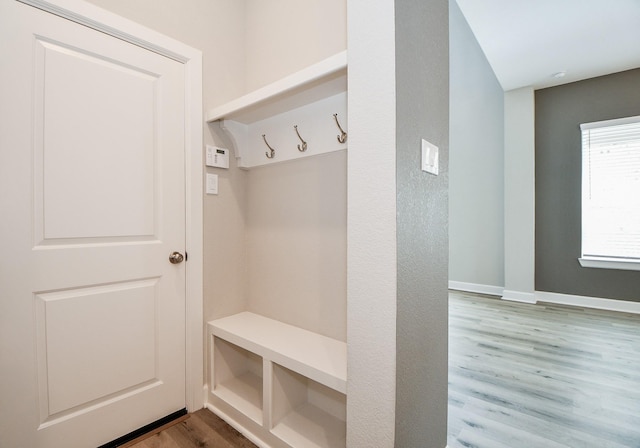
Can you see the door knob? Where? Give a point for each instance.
(176, 258)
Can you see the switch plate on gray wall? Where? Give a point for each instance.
(429, 157)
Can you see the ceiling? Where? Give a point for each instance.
(528, 41)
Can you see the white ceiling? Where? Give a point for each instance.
(527, 41)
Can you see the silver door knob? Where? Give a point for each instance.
(176, 258)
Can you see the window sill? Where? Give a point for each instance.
(610, 263)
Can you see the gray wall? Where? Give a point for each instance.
(422, 111)
(476, 180)
(559, 112)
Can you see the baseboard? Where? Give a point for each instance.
(517, 296)
(476, 287)
(237, 426)
(622, 306)
(233, 423)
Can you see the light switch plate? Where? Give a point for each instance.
(212, 183)
(429, 157)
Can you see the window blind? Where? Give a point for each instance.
(611, 189)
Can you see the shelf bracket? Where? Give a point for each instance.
(238, 133)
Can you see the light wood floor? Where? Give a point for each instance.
(520, 376)
(536, 376)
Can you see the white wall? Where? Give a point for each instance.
(371, 229)
(296, 243)
(519, 198)
(284, 36)
(202, 24)
(296, 211)
(476, 180)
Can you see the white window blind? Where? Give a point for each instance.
(611, 189)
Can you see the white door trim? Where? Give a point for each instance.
(114, 25)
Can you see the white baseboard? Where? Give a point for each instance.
(233, 423)
(517, 296)
(622, 306)
(475, 287)
(237, 426)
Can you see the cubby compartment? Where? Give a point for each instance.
(237, 378)
(306, 413)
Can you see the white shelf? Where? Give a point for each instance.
(236, 377)
(306, 414)
(243, 393)
(321, 80)
(314, 356)
(290, 381)
(310, 426)
(307, 99)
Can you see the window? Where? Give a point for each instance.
(611, 194)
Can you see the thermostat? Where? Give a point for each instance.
(218, 157)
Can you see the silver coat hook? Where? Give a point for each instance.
(303, 147)
(272, 152)
(343, 135)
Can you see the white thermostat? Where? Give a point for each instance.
(217, 157)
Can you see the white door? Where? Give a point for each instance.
(92, 203)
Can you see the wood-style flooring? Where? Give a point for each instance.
(520, 376)
(203, 429)
(541, 376)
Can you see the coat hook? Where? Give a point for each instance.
(272, 152)
(303, 147)
(343, 135)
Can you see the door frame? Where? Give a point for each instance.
(94, 17)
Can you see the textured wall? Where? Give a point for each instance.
(371, 229)
(476, 164)
(422, 87)
(559, 112)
